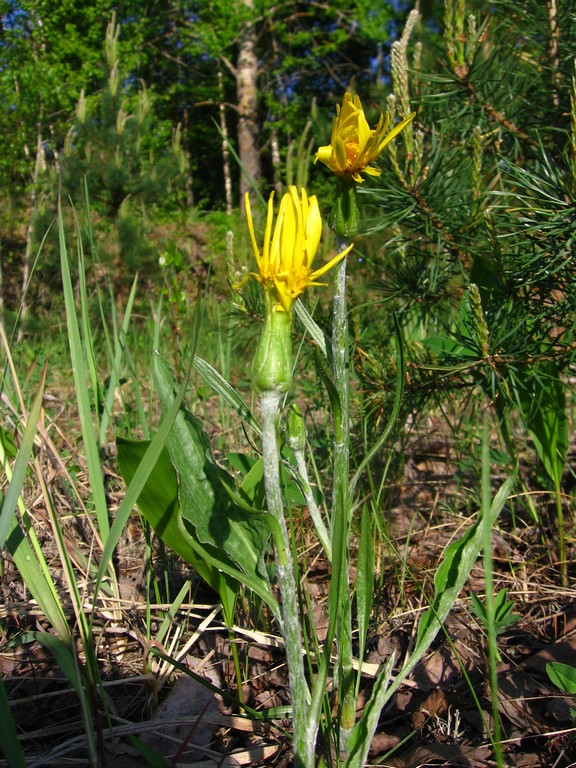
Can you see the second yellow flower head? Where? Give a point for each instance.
(289, 247)
(354, 145)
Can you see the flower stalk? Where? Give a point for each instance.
(285, 271)
(341, 506)
(304, 731)
(353, 148)
(296, 440)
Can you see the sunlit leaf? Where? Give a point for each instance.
(225, 532)
(563, 676)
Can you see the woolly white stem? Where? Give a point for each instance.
(304, 730)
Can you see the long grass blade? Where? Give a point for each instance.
(11, 748)
(400, 373)
(81, 375)
(119, 347)
(36, 579)
(88, 351)
(21, 464)
(27, 552)
(316, 333)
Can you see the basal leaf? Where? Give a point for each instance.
(160, 505)
(158, 500)
(226, 391)
(224, 530)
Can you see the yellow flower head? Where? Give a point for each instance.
(354, 145)
(285, 262)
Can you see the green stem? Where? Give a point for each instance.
(315, 514)
(304, 728)
(561, 538)
(489, 597)
(236, 662)
(296, 440)
(341, 507)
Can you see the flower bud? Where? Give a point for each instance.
(272, 366)
(345, 216)
(295, 428)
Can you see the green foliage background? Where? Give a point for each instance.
(480, 190)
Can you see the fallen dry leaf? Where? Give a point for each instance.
(188, 700)
(442, 754)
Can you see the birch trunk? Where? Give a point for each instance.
(276, 162)
(38, 165)
(225, 150)
(247, 97)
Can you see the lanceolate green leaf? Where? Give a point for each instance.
(459, 559)
(158, 500)
(159, 504)
(29, 560)
(563, 676)
(226, 391)
(230, 538)
(543, 404)
(8, 506)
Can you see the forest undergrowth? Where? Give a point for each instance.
(295, 485)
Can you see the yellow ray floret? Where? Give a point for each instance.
(289, 247)
(354, 145)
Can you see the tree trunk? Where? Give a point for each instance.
(225, 150)
(276, 162)
(247, 96)
(38, 166)
(553, 47)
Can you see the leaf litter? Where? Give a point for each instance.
(440, 716)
